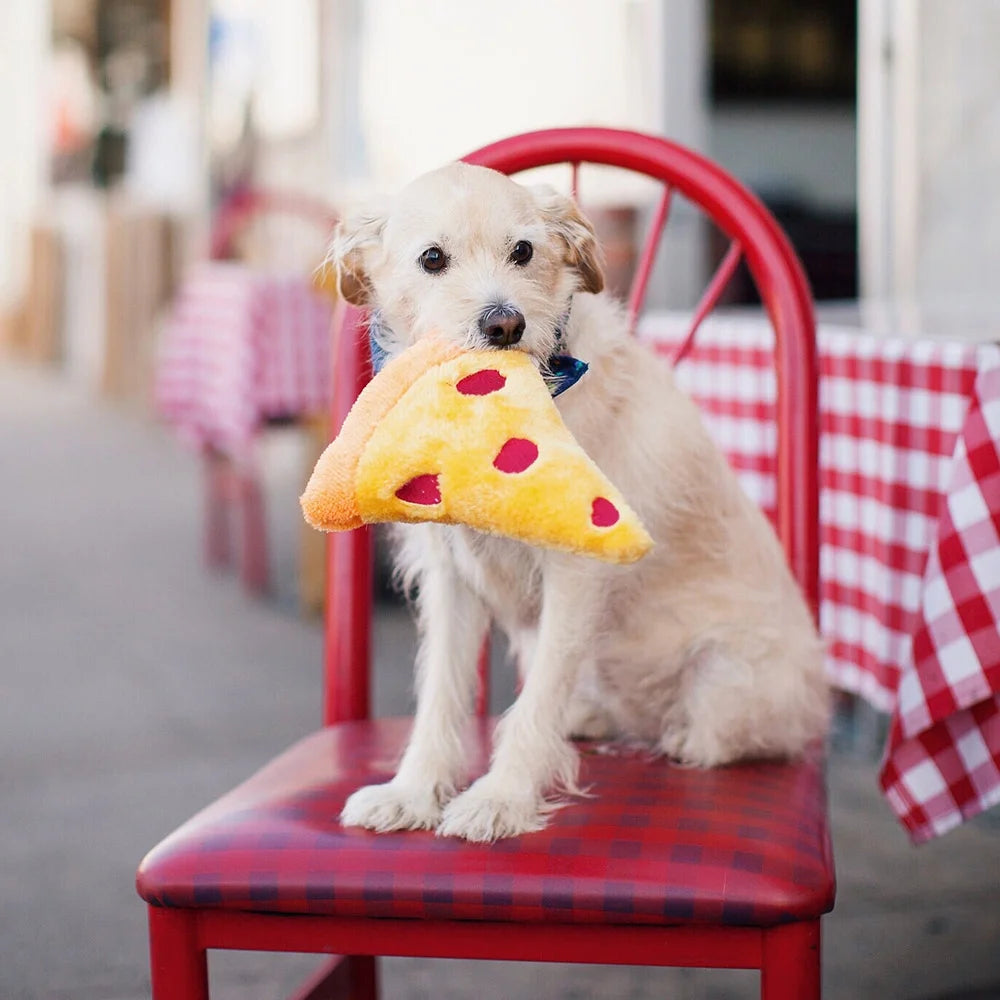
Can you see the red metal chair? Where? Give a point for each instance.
(663, 866)
(228, 487)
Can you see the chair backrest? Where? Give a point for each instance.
(754, 236)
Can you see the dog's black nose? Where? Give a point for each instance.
(502, 326)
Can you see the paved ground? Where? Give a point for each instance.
(134, 688)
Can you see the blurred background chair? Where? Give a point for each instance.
(663, 866)
(247, 347)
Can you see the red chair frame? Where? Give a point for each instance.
(787, 954)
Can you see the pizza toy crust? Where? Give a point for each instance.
(330, 502)
(469, 437)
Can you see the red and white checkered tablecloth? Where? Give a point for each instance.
(910, 560)
(241, 347)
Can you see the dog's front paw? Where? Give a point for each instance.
(481, 814)
(394, 806)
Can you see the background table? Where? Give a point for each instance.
(910, 511)
(242, 347)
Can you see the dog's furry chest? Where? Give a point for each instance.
(506, 574)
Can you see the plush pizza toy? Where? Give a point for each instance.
(469, 437)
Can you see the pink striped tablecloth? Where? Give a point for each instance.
(910, 510)
(242, 347)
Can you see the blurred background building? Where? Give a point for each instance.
(870, 128)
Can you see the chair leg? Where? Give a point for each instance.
(218, 497)
(790, 969)
(254, 555)
(364, 977)
(345, 977)
(178, 964)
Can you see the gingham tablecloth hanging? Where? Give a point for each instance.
(910, 512)
(944, 759)
(241, 347)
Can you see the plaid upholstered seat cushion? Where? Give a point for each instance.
(655, 844)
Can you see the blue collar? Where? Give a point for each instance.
(562, 371)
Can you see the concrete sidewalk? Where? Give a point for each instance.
(134, 688)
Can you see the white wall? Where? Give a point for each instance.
(958, 185)
(438, 80)
(24, 47)
(929, 166)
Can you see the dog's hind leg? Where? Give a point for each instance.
(587, 715)
(705, 725)
(746, 697)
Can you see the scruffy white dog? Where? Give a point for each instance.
(704, 649)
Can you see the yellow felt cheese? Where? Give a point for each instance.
(470, 437)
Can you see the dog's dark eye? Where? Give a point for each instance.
(522, 252)
(433, 259)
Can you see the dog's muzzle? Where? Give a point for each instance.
(502, 325)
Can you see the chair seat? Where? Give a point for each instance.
(655, 844)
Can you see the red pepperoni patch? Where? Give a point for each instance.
(604, 513)
(516, 455)
(481, 383)
(421, 489)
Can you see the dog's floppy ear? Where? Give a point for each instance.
(565, 219)
(354, 239)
